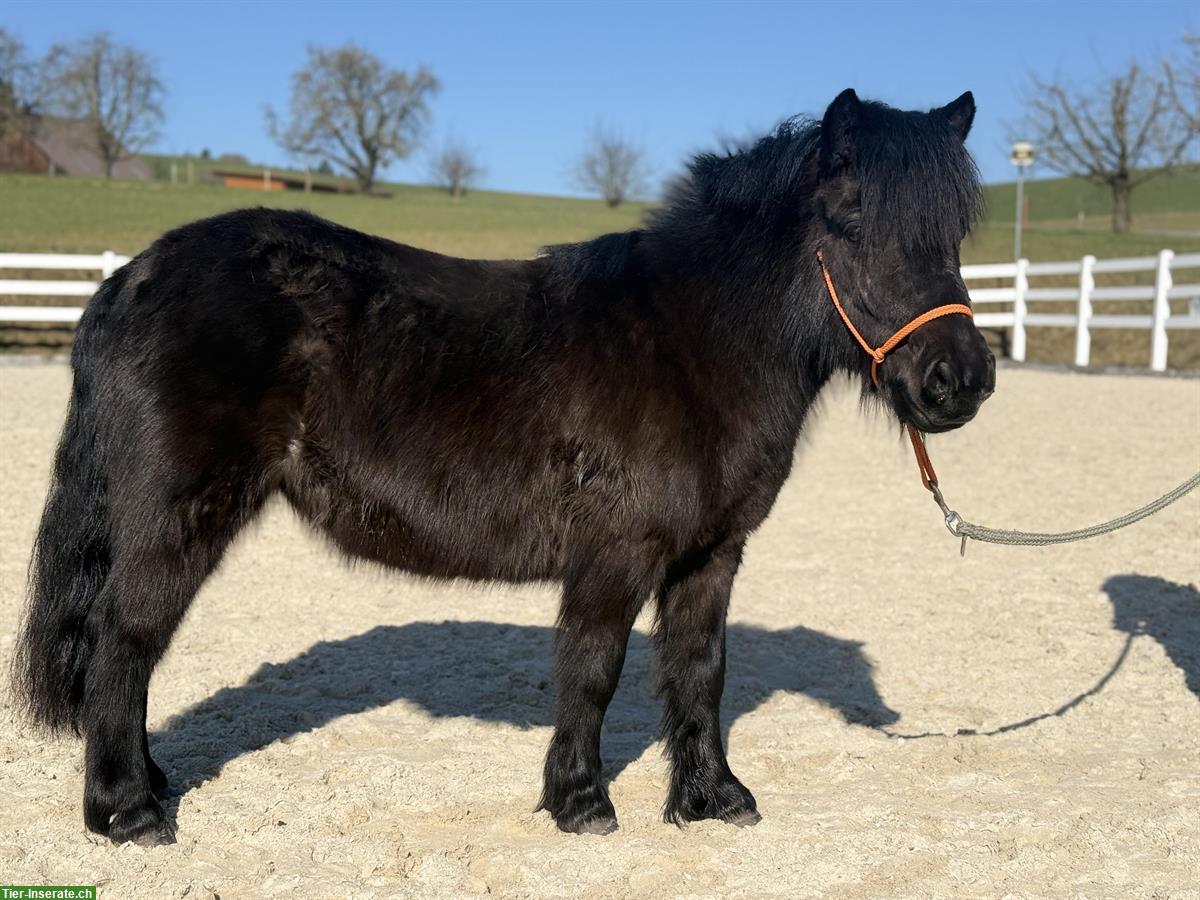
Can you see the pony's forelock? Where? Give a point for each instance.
(915, 174)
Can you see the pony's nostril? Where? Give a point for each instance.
(980, 379)
(940, 383)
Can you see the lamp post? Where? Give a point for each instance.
(1022, 158)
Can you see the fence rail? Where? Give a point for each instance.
(1159, 321)
(105, 263)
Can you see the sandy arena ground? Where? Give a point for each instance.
(344, 732)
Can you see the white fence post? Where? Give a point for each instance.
(1083, 335)
(1020, 286)
(109, 264)
(1162, 311)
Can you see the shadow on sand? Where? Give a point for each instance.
(502, 673)
(495, 673)
(1142, 605)
(1165, 611)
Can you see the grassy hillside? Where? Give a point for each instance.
(1062, 199)
(77, 215)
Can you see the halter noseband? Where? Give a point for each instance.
(877, 354)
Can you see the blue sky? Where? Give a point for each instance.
(524, 83)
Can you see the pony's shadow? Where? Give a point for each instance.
(495, 673)
(1142, 605)
(1165, 611)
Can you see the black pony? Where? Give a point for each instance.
(616, 415)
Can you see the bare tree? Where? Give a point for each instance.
(1183, 81)
(1119, 133)
(22, 88)
(114, 88)
(612, 166)
(349, 109)
(456, 167)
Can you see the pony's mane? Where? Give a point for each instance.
(756, 179)
(914, 172)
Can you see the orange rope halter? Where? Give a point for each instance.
(877, 354)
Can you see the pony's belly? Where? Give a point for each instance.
(484, 551)
(459, 534)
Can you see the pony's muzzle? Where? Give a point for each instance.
(955, 374)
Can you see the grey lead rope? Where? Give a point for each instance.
(961, 528)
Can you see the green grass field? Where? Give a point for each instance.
(88, 215)
(39, 214)
(1062, 199)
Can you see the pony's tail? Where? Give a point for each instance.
(72, 552)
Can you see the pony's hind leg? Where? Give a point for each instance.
(155, 574)
(690, 639)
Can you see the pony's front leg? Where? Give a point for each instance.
(600, 603)
(690, 640)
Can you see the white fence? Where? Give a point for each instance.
(1086, 296)
(1019, 296)
(105, 263)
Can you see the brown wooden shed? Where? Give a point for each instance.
(268, 180)
(54, 146)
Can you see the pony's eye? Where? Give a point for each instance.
(853, 232)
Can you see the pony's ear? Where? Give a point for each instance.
(960, 114)
(837, 132)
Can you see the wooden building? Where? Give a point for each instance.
(267, 180)
(55, 146)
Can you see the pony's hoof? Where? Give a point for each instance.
(162, 837)
(728, 801)
(746, 818)
(587, 811)
(144, 825)
(599, 825)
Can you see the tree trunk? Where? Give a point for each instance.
(1122, 205)
(108, 167)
